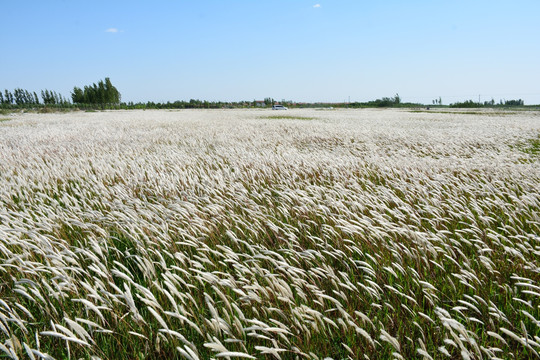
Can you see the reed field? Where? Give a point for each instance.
(252, 234)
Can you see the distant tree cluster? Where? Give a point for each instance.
(387, 101)
(518, 102)
(269, 101)
(24, 98)
(474, 104)
(191, 104)
(103, 93)
(53, 98)
(466, 104)
(384, 102)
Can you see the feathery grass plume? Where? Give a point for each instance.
(390, 339)
(234, 354)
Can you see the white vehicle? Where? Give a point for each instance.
(279, 107)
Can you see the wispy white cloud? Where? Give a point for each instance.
(112, 30)
(317, 5)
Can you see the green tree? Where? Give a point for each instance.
(57, 99)
(46, 97)
(77, 95)
(18, 93)
(8, 96)
(112, 94)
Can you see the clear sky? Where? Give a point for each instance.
(302, 50)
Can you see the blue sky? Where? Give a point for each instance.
(298, 50)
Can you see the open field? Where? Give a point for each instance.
(371, 234)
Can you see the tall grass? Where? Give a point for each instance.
(198, 235)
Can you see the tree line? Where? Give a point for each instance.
(21, 97)
(384, 102)
(474, 104)
(100, 95)
(104, 95)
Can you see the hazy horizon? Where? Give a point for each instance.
(305, 51)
